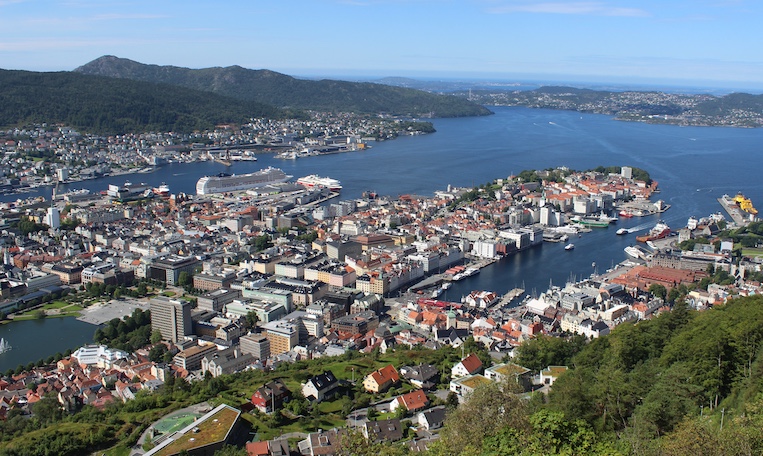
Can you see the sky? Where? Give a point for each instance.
(625, 41)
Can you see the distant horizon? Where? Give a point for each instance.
(710, 45)
(596, 82)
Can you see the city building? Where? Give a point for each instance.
(171, 317)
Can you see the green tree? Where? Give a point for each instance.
(251, 319)
(157, 352)
(185, 279)
(230, 450)
(156, 336)
(658, 290)
(490, 407)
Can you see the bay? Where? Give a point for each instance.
(693, 165)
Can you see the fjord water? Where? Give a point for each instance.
(693, 165)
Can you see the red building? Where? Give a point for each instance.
(270, 396)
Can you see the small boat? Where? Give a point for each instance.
(569, 246)
(622, 231)
(627, 213)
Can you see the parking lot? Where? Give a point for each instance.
(101, 313)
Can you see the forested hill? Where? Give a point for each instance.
(114, 106)
(281, 90)
(684, 383)
(734, 110)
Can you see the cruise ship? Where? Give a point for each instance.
(223, 182)
(314, 181)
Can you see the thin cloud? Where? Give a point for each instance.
(126, 17)
(576, 8)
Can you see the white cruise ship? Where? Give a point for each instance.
(314, 181)
(222, 182)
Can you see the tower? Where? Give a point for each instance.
(171, 317)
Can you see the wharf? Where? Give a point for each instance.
(429, 282)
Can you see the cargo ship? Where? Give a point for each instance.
(314, 181)
(745, 204)
(224, 182)
(660, 230)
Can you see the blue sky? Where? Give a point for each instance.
(606, 40)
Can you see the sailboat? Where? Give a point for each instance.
(4, 346)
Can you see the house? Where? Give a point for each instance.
(380, 380)
(270, 396)
(390, 430)
(452, 336)
(468, 366)
(320, 387)
(549, 375)
(506, 371)
(278, 447)
(432, 418)
(422, 376)
(412, 402)
(466, 385)
(322, 443)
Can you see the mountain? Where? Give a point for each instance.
(114, 106)
(281, 90)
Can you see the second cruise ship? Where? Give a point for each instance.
(223, 182)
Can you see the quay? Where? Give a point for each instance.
(643, 208)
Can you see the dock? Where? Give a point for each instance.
(510, 296)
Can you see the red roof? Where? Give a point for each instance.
(258, 448)
(472, 363)
(415, 400)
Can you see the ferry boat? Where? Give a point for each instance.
(471, 271)
(162, 191)
(128, 191)
(224, 182)
(314, 181)
(591, 222)
(637, 252)
(661, 230)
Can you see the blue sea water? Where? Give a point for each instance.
(693, 165)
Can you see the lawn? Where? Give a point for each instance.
(175, 423)
(752, 252)
(214, 429)
(55, 305)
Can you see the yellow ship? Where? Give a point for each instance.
(745, 204)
